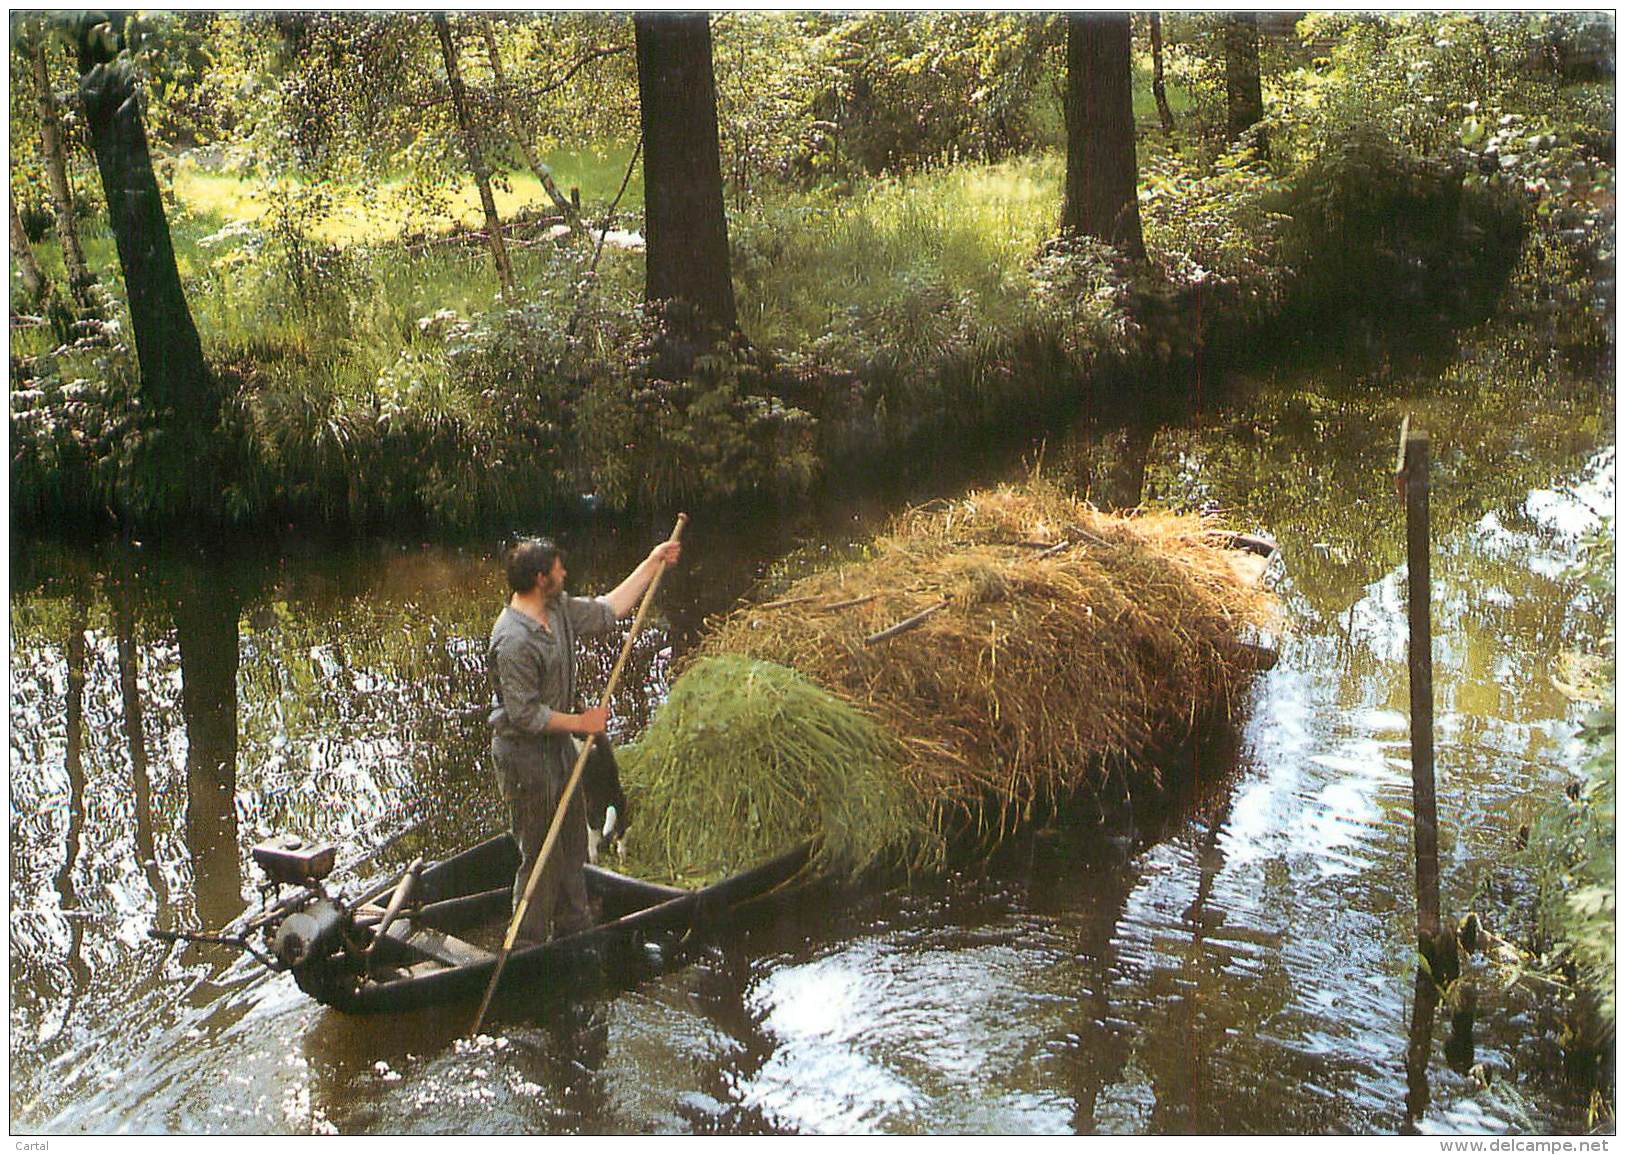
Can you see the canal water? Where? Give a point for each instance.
(1234, 956)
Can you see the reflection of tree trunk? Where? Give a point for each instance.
(75, 740)
(1180, 1087)
(129, 677)
(1112, 471)
(1159, 89)
(206, 620)
(1458, 1048)
(1126, 481)
(77, 625)
(1100, 193)
(335, 643)
(719, 995)
(516, 129)
(56, 170)
(578, 1037)
(1418, 1050)
(34, 282)
(1209, 862)
(1102, 1062)
(476, 160)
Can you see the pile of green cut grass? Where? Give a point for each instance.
(747, 759)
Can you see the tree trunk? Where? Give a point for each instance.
(686, 228)
(74, 836)
(476, 161)
(516, 129)
(1158, 88)
(34, 281)
(80, 278)
(1100, 164)
(175, 379)
(1243, 88)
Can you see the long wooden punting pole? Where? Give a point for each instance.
(570, 787)
(1412, 477)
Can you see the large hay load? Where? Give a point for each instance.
(1012, 643)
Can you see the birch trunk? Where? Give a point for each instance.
(34, 282)
(1159, 89)
(516, 129)
(476, 161)
(56, 169)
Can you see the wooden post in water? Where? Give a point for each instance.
(1412, 478)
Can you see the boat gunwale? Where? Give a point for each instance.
(677, 907)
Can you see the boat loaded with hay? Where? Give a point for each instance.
(984, 660)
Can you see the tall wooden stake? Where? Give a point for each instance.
(1412, 478)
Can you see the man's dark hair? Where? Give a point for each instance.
(529, 558)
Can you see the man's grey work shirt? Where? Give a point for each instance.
(533, 670)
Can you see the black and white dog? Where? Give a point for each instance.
(607, 810)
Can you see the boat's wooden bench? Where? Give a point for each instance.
(437, 945)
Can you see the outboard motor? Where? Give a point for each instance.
(289, 859)
(315, 929)
(310, 933)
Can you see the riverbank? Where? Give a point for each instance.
(375, 386)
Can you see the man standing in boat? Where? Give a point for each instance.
(532, 665)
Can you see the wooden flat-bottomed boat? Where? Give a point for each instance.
(432, 934)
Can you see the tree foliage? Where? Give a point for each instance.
(902, 91)
(1574, 841)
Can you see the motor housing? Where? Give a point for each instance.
(309, 933)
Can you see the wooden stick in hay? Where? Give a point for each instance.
(905, 625)
(1087, 535)
(849, 603)
(782, 602)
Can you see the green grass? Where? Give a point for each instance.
(786, 761)
(598, 172)
(368, 313)
(891, 255)
(907, 275)
(223, 196)
(805, 265)
(1145, 100)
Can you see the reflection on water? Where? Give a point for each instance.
(1232, 957)
(205, 607)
